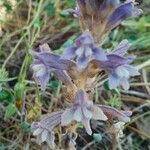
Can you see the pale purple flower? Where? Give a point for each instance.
(44, 129)
(118, 66)
(83, 51)
(110, 10)
(83, 110)
(122, 12)
(101, 16)
(123, 116)
(45, 62)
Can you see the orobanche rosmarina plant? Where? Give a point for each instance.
(80, 68)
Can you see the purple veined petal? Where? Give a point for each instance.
(52, 60)
(117, 59)
(63, 76)
(45, 56)
(69, 53)
(121, 13)
(113, 81)
(34, 63)
(37, 131)
(42, 79)
(127, 113)
(78, 114)
(113, 62)
(132, 70)
(37, 66)
(50, 121)
(98, 114)
(122, 72)
(85, 39)
(79, 52)
(86, 123)
(88, 51)
(121, 115)
(99, 54)
(67, 117)
(82, 62)
(122, 48)
(125, 83)
(48, 59)
(87, 113)
(45, 48)
(44, 135)
(50, 140)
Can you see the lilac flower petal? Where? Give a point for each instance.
(42, 80)
(69, 53)
(112, 63)
(41, 74)
(86, 123)
(122, 48)
(45, 56)
(50, 141)
(121, 13)
(79, 52)
(37, 131)
(82, 62)
(78, 114)
(132, 70)
(121, 115)
(85, 39)
(52, 60)
(48, 121)
(44, 135)
(99, 54)
(113, 81)
(45, 48)
(87, 113)
(67, 117)
(98, 114)
(121, 72)
(117, 59)
(127, 113)
(125, 83)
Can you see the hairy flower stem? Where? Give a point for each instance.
(13, 51)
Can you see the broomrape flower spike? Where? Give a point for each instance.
(82, 111)
(80, 68)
